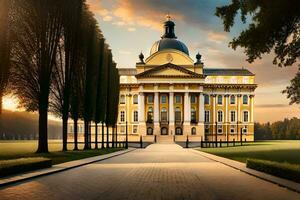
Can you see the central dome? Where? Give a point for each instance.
(168, 40)
(169, 43)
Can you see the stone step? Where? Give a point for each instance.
(165, 139)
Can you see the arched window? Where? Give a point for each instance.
(164, 131)
(220, 100)
(193, 115)
(150, 115)
(206, 99)
(178, 131)
(177, 114)
(245, 99)
(135, 99)
(122, 116)
(220, 116)
(246, 116)
(232, 99)
(135, 116)
(193, 131)
(206, 116)
(232, 116)
(164, 114)
(122, 99)
(149, 131)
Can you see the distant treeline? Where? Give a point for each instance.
(24, 126)
(288, 129)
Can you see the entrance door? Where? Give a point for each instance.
(164, 131)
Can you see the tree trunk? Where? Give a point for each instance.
(102, 140)
(43, 132)
(96, 135)
(90, 135)
(65, 133)
(86, 134)
(75, 134)
(107, 136)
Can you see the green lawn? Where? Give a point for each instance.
(24, 149)
(278, 150)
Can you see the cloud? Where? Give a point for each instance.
(218, 37)
(125, 52)
(107, 18)
(271, 106)
(131, 29)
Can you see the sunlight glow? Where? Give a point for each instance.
(10, 103)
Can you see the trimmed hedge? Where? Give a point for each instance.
(283, 170)
(14, 166)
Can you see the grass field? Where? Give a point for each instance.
(24, 149)
(278, 150)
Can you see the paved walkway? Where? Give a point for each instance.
(161, 171)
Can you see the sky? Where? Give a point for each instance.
(132, 26)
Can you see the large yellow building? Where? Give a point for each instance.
(169, 94)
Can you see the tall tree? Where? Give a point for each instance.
(5, 47)
(275, 26)
(293, 91)
(34, 55)
(66, 63)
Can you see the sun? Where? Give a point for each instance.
(10, 103)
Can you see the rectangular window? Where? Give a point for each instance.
(177, 99)
(135, 99)
(246, 116)
(193, 98)
(232, 129)
(232, 99)
(206, 116)
(122, 99)
(135, 127)
(245, 99)
(150, 98)
(232, 116)
(206, 99)
(206, 129)
(122, 116)
(220, 129)
(135, 116)
(220, 116)
(220, 100)
(163, 99)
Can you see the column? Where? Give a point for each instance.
(171, 114)
(226, 115)
(213, 96)
(187, 114)
(156, 112)
(239, 117)
(252, 108)
(141, 107)
(201, 107)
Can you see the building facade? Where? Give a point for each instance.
(169, 93)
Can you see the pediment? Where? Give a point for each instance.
(169, 70)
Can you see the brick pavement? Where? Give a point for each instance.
(161, 171)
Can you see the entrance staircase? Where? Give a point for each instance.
(165, 139)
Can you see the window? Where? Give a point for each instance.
(206, 129)
(206, 116)
(150, 98)
(232, 99)
(122, 116)
(245, 99)
(177, 115)
(150, 115)
(232, 129)
(220, 100)
(163, 99)
(135, 116)
(164, 115)
(206, 99)
(164, 131)
(193, 115)
(232, 116)
(220, 129)
(193, 131)
(193, 98)
(220, 116)
(149, 131)
(178, 131)
(122, 99)
(246, 116)
(245, 130)
(135, 127)
(177, 99)
(135, 99)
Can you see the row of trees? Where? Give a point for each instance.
(59, 62)
(286, 129)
